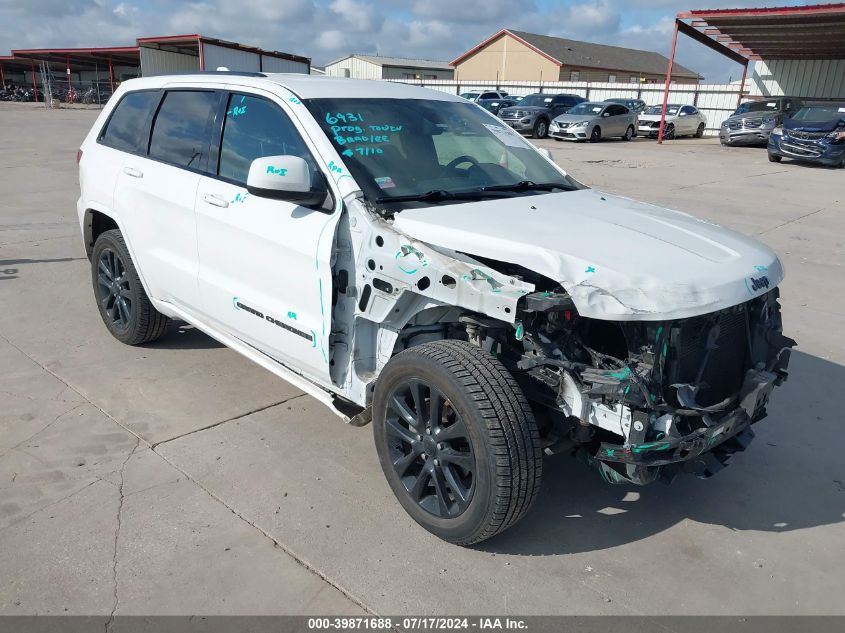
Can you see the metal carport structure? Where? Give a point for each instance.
(809, 32)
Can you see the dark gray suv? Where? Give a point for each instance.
(535, 112)
(753, 121)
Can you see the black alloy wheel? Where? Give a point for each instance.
(430, 448)
(123, 304)
(457, 440)
(669, 132)
(595, 135)
(113, 288)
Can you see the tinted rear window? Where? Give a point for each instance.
(181, 128)
(128, 123)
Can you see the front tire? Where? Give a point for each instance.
(457, 440)
(541, 129)
(595, 135)
(124, 306)
(774, 158)
(669, 134)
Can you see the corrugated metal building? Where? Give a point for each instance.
(185, 53)
(798, 78)
(377, 67)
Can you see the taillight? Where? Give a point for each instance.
(78, 156)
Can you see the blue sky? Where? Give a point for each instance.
(328, 29)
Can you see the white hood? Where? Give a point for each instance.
(618, 258)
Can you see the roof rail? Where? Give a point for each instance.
(237, 73)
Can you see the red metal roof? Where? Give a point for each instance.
(83, 57)
(799, 32)
(188, 43)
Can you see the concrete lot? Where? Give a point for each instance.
(180, 478)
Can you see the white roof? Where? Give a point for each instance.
(404, 62)
(304, 86)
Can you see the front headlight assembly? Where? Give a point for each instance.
(778, 130)
(580, 124)
(837, 135)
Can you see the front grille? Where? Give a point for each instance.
(726, 365)
(807, 136)
(800, 150)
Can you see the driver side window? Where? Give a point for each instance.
(256, 127)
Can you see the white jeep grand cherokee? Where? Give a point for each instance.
(404, 257)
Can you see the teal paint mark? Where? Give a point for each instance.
(295, 101)
(610, 452)
(242, 99)
(313, 339)
(323, 352)
(235, 303)
(761, 269)
(664, 348)
(347, 152)
(657, 336)
(404, 251)
(337, 172)
(520, 331)
(621, 375)
(652, 446)
(292, 315)
(236, 111)
(322, 310)
(661, 435)
(476, 274)
(239, 197)
(279, 171)
(590, 269)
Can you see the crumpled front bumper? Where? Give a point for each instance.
(703, 452)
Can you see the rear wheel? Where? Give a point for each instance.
(595, 135)
(124, 306)
(700, 131)
(456, 440)
(541, 128)
(629, 133)
(774, 158)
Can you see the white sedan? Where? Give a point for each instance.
(681, 120)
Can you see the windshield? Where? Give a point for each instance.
(760, 106)
(543, 101)
(826, 112)
(671, 110)
(470, 95)
(412, 147)
(587, 108)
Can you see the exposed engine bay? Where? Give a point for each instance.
(641, 400)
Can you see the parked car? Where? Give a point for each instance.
(753, 122)
(535, 112)
(494, 105)
(475, 96)
(593, 121)
(815, 134)
(404, 258)
(634, 105)
(681, 120)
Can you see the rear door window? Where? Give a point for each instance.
(256, 127)
(181, 128)
(127, 126)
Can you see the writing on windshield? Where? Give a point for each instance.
(427, 150)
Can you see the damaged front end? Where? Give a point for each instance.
(642, 400)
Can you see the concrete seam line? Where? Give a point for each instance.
(287, 550)
(278, 544)
(232, 419)
(792, 221)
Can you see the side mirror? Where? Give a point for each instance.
(286, 178)
(605, 113)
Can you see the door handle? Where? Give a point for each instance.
(214, 199)
(131, 171)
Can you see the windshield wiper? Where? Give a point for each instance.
(527, 185)
(436, 195)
